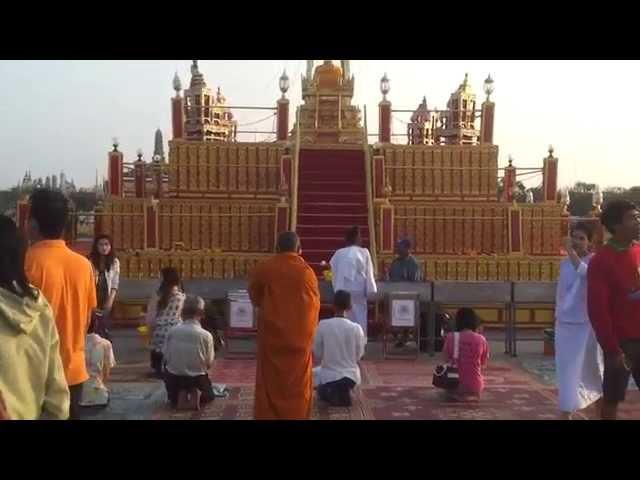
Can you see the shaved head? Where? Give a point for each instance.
(288, 242)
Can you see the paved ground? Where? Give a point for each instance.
(136, 395)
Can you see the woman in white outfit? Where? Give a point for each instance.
(579, 362)
(352, 271)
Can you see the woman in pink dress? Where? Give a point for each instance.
(473, 354)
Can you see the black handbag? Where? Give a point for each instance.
(446, 376)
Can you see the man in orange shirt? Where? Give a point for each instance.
(67, 282)
(285, 290)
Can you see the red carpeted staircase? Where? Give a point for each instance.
(332, 197)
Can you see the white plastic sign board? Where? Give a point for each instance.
(240, 314)
(403, 313)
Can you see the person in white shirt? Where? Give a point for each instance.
(338, 346)
(579, 360)
(100, 360)
(352, 271)
(189, 354)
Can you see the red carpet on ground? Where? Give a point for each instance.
(401, 390)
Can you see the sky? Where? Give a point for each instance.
(62, 115)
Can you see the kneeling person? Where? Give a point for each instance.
(339, 344)
(189, 354)
(100, 360)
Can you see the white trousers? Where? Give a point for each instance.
(358, 312)
(579, 366)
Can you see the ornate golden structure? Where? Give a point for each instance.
(327, 115)
(223, 202)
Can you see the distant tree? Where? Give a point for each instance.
(614, 190)
(520, 195)
(84, 201)
(584, 187)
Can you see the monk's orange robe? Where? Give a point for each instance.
(285, 290)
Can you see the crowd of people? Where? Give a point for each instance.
(50, 316)
(55, 309)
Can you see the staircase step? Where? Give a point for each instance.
(328, 187)
(331, 197)
(325, 243)
(327, 208)
(321, 231)
(329, 172)
(346, 219)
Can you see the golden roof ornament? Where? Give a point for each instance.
(328, 75)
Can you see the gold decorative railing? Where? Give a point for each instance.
(453, 229)
(204, 264)
(489, 268)
(239, 226)
(542, 228)
(482, 228)
(441, 171)
(124, 220)
(206, 169)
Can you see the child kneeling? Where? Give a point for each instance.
(339, 344)
(473, 354)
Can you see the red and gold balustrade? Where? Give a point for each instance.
(229, 226)
(219, 170)
(205, 264)
(433, 172)
(487, 268)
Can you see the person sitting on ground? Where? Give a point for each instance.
(163, 313)
(404, 268)
(32, 379)
(338, 346)
(100, 361)
(189, 354)
(473, 354)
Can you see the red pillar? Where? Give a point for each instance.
(509, 182)
(386, 229)
(486, 127)
(151, 214)
(384, 127)
(285, 172)
(515, 231)
(140, 179)
(177, 116)
(378, 176)
(116, 160)
(550, 177)
(282, 221)
(282, 131)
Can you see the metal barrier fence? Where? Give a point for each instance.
(506, 297)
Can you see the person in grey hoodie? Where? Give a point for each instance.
(32, 379)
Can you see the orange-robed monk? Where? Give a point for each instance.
(285, 291)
